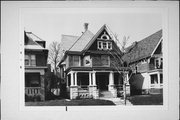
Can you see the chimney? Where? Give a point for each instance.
(86, 26)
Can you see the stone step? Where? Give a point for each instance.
(106, 94)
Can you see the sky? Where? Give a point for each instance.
(50, 24)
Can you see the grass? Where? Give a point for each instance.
(154, 99)
(81, 102)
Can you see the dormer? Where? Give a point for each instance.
(104, 41)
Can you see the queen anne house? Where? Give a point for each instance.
(146, 61)
(92, 66)
(35, 66)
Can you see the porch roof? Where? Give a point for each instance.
(97, 69)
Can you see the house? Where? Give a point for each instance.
(146, 61)
(92, 66)
(35, 66)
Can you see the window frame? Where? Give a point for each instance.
(104, 45)
(30, 59)
(73, 59)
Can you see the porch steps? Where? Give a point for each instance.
(105, 94)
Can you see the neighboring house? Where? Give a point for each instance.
(146, 61)
(92, 65)
(35, 66)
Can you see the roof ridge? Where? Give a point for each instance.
(70, 35)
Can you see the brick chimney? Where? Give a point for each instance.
(86, 26)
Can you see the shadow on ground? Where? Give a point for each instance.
(154, 99)
(82, 102)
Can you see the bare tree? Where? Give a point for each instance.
(123, 43)
(55, 55)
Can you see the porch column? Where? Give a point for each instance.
(67, 81)
(90, 79)
(93, 92)
(127, 79)
(72, 78)
(75, 81)
(111, 87)
(73, 87)
(158, 77)
(111, 78)
(94, 78)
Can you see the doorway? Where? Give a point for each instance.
(102, 81)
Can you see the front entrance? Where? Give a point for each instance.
(102, 81)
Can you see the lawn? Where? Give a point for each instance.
(154, 99)
(64, 102)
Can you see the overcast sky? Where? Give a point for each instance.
(51, 24)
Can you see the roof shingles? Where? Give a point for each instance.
(143, 48)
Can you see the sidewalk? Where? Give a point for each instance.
(118, 101)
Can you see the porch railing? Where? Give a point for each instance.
(31, 91)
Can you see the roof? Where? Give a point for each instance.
(67, 41)
(30, 42)
(97, 34)
(142, 49)
(33, 36)
(82, 41)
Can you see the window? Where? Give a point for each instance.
(30, 60)
(27, 60)
(33, 60)
(161, 78)
(99, 44)
(109, 45)
(75, 60)
(87, 61)
(32, 79)
(158, 63)
(105, 60)
(154, 79)
(105, 45)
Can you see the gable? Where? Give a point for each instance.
(102, 40)
(30, 42)
(142, 49)
(82, 41)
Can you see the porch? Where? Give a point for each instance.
(91, 84)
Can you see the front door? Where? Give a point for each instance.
(102, 80)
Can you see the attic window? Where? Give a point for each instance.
(105, 36)
(104, 45)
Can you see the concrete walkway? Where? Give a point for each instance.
(118, 101)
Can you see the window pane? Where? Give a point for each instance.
(27, 60)
(109, 45)
(99, 45)
(161, 78)
(33, 57)
(33, 60)
(154, 79)
(104, 45)
(105, 60)
(76, 60)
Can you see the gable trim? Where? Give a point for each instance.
(156, 46)
(97, 34)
